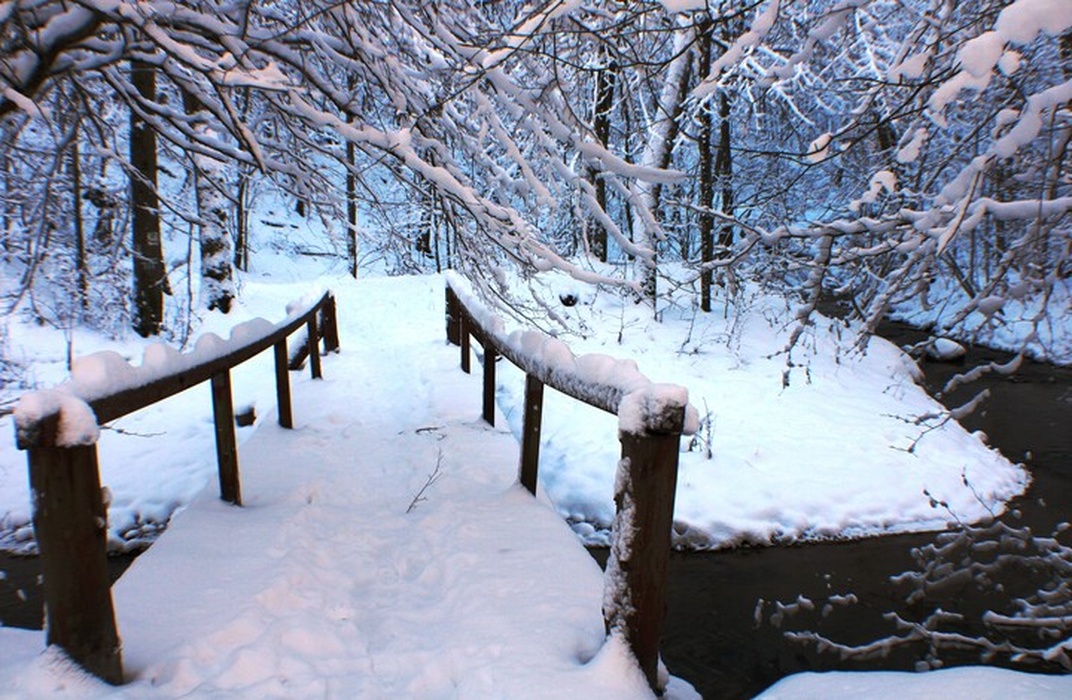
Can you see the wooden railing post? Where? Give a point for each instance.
(314, 348)
(226, 448)
(464, 331)
(330, 325)
(491, 356)
(640, 543)
(70, 524)
(454, 331)
(282, 385)
(530, 433)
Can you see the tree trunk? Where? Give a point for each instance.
(81, 264)
(150, 278)
(707, 181)
(241, 228)
(351, 207)
(606, 78)
(724, 170)
(241, 253)
(658, 152)
(5, 161)
(217, 275)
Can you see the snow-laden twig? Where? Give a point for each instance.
(1032, 630)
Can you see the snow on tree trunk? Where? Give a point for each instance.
(606, 78)
(657, 153)
(217, 249)
(217, 278)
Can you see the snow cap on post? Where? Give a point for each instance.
(656, 408)
(54, 418)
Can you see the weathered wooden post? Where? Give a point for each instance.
(70, 524)
(313, 342)
(530, 433)
(282, 385)
(491, 356)
(454, 331)
(636, 576)
(463, 326)
(226, 446)
(329, 324)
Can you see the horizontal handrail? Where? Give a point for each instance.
(139, 393)
(598, 380)
(59, 429)
(651, 419)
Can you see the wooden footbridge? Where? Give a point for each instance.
(69, 510)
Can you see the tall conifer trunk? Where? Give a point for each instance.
(150, 277)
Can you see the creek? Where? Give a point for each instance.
(712, 637)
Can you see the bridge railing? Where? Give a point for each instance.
(59, 428)
(651, 420)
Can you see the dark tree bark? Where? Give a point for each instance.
(351, 208)
(241, 252)
(241, 229)
(707, 181)
(606, 80)
(81, 264)
(150, 277)
(724, 170)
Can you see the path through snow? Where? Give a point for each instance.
(322, 585)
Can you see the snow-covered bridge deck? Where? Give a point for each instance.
(323, 585)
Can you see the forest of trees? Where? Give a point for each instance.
(875, 150)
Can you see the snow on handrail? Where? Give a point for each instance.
(70, 508)
(105, 386)
(651, 419)
(614, 385)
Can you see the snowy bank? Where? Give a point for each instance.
(977, 683)
(821, 442)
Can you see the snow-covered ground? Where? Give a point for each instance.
(836, 444)
(323, 583)
(973, 682)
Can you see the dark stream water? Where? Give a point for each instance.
(712, 637)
